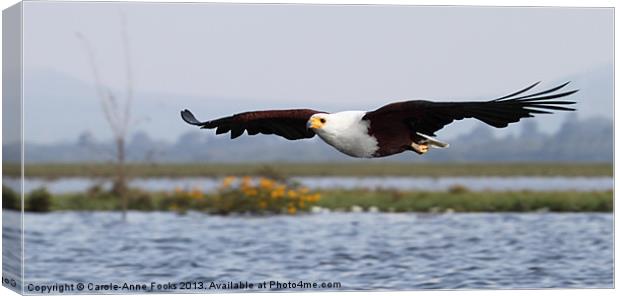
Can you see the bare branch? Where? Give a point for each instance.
(128, 72)
(117, 112)
(106, 97)
(110, 112)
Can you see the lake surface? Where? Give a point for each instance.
(361, 251)
(65, 185)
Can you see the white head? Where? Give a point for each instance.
(334, 123)
(318, 121)
(346, 131)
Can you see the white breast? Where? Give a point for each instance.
(347, 132)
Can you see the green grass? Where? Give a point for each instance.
(459, 200)
(369, 168)
(466, 201)
(82, 202)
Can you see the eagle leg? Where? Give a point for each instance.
(432, 141)
(420, 148)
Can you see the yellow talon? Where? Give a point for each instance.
(420, 148)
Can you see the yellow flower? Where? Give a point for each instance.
(311, 197)
(246, 182)
(266, 183)
(228, 181)
(304, 190)
(292, 210)
(278, 192)
(262, 204)
(196, 193)
(292, 194)
(250, 191)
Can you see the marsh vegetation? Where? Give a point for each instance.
(280, 170)
(286, 199)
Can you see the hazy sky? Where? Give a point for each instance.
(219, 59)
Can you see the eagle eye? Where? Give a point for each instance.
(322, 120)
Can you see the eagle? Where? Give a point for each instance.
(391, 129)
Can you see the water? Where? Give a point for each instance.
(361, 251)
(65, 185)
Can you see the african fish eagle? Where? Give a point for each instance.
(391, 129)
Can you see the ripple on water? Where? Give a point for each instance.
(363, 251)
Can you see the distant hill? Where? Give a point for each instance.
(578, 140)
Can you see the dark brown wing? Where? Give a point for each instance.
(428, 117)
(290, 124)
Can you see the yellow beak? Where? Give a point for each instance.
(313, 123)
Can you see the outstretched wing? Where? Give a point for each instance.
(290, 124)
(428, 117)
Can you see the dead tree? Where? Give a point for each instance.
(117, 112)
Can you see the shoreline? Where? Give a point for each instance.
(286, 170)
(459, 200)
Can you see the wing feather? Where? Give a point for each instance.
(428, 117)
(290, 124)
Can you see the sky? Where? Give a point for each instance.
(220, 59)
